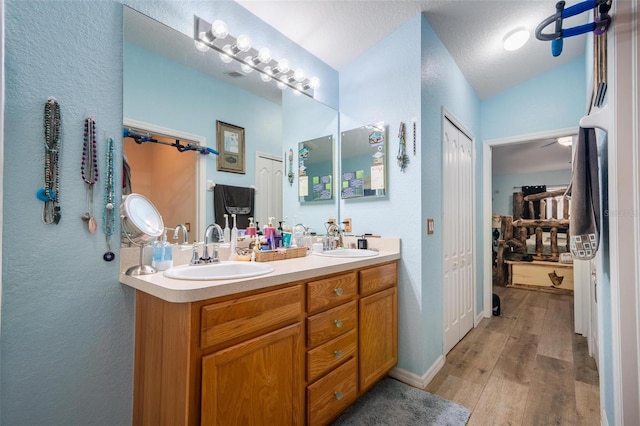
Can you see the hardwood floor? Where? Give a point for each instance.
(526, 367)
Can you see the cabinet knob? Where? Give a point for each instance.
(338, 395)
(338, 353)
(338, 291)
(338, 323)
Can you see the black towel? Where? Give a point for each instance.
(233, 200)
(584, 190)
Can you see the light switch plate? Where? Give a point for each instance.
(430, 226)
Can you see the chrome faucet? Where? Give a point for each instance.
(207, 237)
(185, 238)
(334, 235)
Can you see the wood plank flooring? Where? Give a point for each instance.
(526, 367)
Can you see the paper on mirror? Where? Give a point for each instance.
(377, 177)
(303, 186)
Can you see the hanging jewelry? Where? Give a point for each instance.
(290, 175)
(403, 158)
(50, 193)
(109, 212)
(89, 170)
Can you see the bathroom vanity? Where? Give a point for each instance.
(294, 347)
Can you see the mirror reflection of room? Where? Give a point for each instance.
(315, 169)
(363, 160)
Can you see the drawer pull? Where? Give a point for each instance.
(338, 395)
(338, 291)
(338, 323)
(338, 353)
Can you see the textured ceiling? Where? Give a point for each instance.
(542, 155)
(338, 32)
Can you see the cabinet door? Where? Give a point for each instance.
(257, 382)
(378, 350)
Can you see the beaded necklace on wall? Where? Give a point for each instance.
(109, 212)
(89, 170)
(50, 193)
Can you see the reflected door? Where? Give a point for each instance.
(457, 215)
(269, 181)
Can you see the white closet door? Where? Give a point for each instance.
(457, 234)
(268, 189)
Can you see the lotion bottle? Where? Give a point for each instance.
(234, 239)
(227, 231)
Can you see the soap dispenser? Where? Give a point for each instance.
(162, 253)
(251, 229)
(234, 239)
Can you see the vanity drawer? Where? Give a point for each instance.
(333, 393)
(243, 318)
(326, 357)
(378, 278)
(331, 291)
(325, 326)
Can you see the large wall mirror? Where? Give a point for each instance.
(175, 92)
(363, 162)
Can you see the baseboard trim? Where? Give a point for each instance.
(414, 380)
(603, 418)
(478, 319)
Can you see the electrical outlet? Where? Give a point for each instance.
(331, 220)
(430, 226)
(188, 226)
(347, 225)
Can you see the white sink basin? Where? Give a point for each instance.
(347, 253)
(219, 271)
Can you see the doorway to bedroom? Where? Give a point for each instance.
(534, 160)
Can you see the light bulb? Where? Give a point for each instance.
(314, 82)
(298, 75)
(264, 55)
(243, 43)
(266, 77)
(247, 68)
(281, 85)
(283, 66)
(219, 29)
(227, 56)
(200, 46)
(299, 89)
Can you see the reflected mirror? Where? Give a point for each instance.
(315, 169)
(175, 92)
(363, 162)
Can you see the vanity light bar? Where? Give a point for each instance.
(239, 49)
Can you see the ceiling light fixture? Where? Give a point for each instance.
(565, 141)
(216, 36)
(515, 39)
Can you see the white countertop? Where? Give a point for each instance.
(286, 271)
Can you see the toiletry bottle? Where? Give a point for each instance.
(234, 239)
(270, 234)
(286, 233)
(251, 229)
(162, 253)
(227, 231)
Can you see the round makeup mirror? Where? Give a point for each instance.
(141, 224)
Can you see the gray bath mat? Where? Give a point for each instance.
(393, 403)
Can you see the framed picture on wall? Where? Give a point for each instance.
(230, 145)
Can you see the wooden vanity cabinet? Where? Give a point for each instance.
(378, 323)
(296, 354)
(232, 360)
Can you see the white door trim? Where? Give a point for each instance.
(200, 186)
(486, 198)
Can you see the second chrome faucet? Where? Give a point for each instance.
(195, 260)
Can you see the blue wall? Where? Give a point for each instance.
(409, 76)
(554, 100)
(67, 323)
(443, 86)
(162, 92)
(383, 84)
